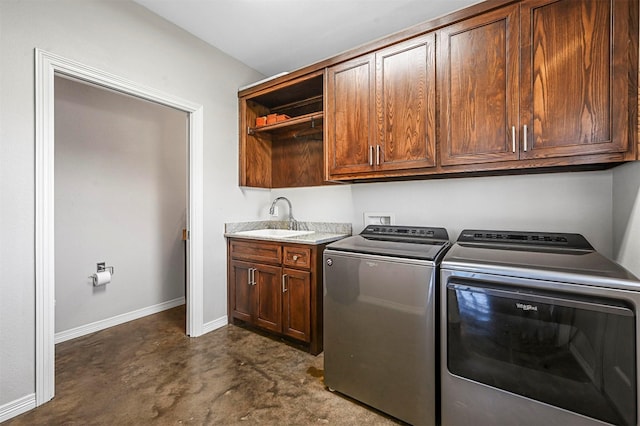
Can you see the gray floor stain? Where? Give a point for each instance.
(148, 371)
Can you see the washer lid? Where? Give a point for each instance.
(573, 260)
(411, 242)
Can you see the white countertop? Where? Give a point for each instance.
(323, 233)
(313, 239)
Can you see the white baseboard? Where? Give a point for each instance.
(17, 407)
(215, 324)
(117, 320)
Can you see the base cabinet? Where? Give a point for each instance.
(268, 303)
(296, 298)
(277, 288)
(241, 298)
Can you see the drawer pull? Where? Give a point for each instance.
(295, 257)
(284, 283)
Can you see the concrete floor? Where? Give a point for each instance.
(149, 371)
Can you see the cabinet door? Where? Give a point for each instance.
(478, 85)
(349, 122)
(296, 300)
(241, 301)
(268, 298)
(406, 104)
(574, 61)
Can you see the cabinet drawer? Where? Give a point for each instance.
(256, 250)
(298, 257)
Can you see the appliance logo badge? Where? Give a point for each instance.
(526, 307)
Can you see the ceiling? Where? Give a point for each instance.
(274, 36)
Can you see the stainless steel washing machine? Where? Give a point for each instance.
(379, 319)
(537, 329)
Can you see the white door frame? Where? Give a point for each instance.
(47, 66)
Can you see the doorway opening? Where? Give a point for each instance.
(120, 198)
(48, 66)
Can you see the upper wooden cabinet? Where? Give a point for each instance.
(349, 129)
(502, 85)
(538, 80)
(574, 77)
(405, 104)
(478, 68)
(380, 112)
(287, 152)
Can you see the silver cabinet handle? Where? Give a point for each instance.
(525, 138)
(377, 155)
(295, 257)
(513, 138)
(284, 283)
(250, 276)
(371, 155)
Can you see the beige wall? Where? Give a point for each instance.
(554, 202)
(120, 197)
(125, 39)
(626, 207)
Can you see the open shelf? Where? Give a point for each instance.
(308, 121)
(287, 153)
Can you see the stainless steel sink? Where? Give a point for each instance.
(273, 233)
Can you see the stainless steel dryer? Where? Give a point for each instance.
(537, 329)
(379, 319)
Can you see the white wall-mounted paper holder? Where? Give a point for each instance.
(101, 267)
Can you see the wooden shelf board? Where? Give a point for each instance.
(303, 119)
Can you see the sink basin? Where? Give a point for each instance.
(274, 233)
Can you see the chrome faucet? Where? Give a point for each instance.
(293, 223)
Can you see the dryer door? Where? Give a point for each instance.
(572, 351)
